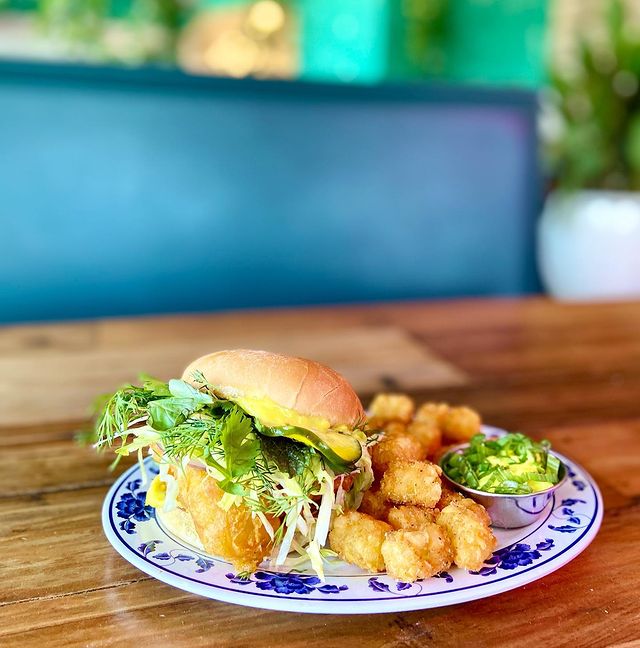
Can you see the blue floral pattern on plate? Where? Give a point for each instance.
(566, 511)
(289, 583)
(577, 483)
(169, 557)
(397, 588)
(131, 506)
(517, 555)
(448, 578)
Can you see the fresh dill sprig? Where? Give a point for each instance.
(126, 405)
(192, 438)
(361, 424)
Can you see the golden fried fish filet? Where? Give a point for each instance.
(235, 535)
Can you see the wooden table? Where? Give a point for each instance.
(569, 373)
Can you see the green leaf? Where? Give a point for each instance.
(181, 389)
(239, 443)
(221, 407)
(157, 387)
(166, 413)
(229, 486)
(183, 401)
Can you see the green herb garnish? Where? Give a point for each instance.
(510, 464)
(290, 479)
(186, 422)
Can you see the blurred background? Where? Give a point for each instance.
(188, 155)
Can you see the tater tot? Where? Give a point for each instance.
(411, 555)
(394, 428)
(460, 424)
(447, 497)
(477, 509)
(392, 407)
(393, 448)
(428, 433)
(410, 518)
(357, 538)
(412, 482)
(375, 504)
(471, 538)
(432, 413)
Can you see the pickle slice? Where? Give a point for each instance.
(340, 450)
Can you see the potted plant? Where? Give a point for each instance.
(589, 233)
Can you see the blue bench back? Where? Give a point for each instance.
(144, 191)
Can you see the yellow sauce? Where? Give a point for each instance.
(273, 415)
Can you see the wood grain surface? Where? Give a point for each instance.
(568, 373)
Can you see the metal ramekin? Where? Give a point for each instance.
(507, 511)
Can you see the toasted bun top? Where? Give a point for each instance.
(303, 386)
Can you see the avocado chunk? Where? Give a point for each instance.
(340, 450)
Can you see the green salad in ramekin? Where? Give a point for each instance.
(512, 464)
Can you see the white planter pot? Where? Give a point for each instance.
(589, 245)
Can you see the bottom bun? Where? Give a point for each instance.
(179, 524)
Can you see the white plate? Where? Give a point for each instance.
(568, 525)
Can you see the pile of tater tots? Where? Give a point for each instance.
(409, 524)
